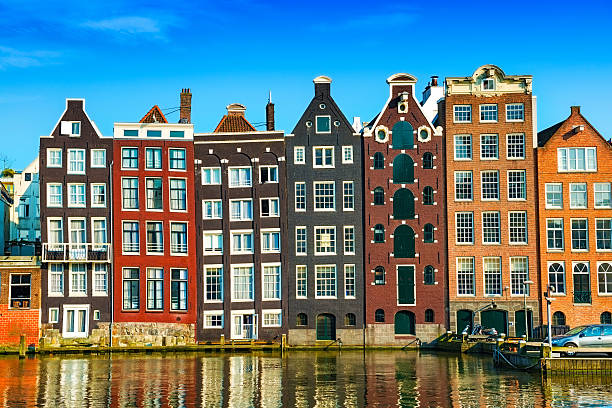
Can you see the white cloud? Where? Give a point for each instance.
(126, 25)
(11, 57)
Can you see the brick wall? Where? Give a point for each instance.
(14, 323)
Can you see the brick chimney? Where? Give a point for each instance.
(434, 80)
(575, 110)
(185, 106)
(270, 114)
(322, 85)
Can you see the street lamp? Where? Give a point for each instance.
(525, 288)
(549, 290)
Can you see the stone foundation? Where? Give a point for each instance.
(384, 334)
(53, 337)
(428, 333)
(153, 334)
(308, 337)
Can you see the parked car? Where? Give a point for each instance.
(594, 335)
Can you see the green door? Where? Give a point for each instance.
(326, 327)
(519, 322)
(405, 285)
(403, 242)
(494, 319)
(403, 169)
(464, 319)
(404, 322)
(402, 135)
(403, 204)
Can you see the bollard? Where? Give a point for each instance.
(546, 351)
(222, 341)
(283, 342)
(22, 346)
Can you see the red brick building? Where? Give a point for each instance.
(154, 229)
(405, 256)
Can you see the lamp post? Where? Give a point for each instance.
(525, 288)
(549, 299)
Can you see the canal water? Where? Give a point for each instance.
(298, 379)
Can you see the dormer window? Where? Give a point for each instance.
(488, 84)
(76, 128)
(72, 129)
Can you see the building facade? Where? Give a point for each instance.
(575, 212)
(325, 220)
(405, 252)
(75, 207)
(491, 200)
(155, 272)
(241, 221)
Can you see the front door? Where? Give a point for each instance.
(405, 285)
(519, 322)
(404, 322)
(244, 327)
(494, 319)
(464, 319)
(326, 327)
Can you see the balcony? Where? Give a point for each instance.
(583, 296)
(76, 252)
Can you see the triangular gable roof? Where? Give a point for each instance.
(545, 135)
(154, 115)
(234, 121)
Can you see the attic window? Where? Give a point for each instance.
(488, 84)
(323, 124)
(132, 132)
(72, 129)
(177, 133)
(322, 106)
(153, 133)
(76, 128)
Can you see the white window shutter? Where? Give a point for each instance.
(66, 128)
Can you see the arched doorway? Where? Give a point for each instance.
(497, 319)
(403, 242)
(403, 169)
(404, 322)
(465, 319)
(403, 204)
(326, 327)
(402, 135)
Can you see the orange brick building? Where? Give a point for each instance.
(490, 122)
(575, 203)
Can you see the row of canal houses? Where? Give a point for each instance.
(434, 215)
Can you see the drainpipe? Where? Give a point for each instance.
(112, 266)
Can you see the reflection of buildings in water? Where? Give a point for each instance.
(381, 386)
(242, 380)
(212, 382)
(271, 380)
(74, 381)
(18, 382)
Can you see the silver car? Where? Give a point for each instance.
(594, 335)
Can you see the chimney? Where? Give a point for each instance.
(185, 106)
(575, 110)
(270, 114)
(434, 80)
(322, 85)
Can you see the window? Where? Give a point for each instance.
(519, 273)
(300, 196)
(299, 155)
(517, 185)
(76, 321)
(129, 158)
(556, 276)
(129, 193)
(348, 195)
(178, 289)
(241, 210)
(56, 279)
(177, 159)
(212, 209)
(301, 320)
(379, 233)
(518, 227)
(603, 195)
(492, 276)
(54, 195)
(98, 195)
(379, 275)
(98, 158)
(153, 133)
(268, 174)
(463, 185)
(153, 158)
(100, 279)
(211, 175)
(428, 233)
(177, 133)
(323, 157)
(325, 281)
(491, 228)
(429, 316)
(323, 124)
(578, 195)
(53, 314)
(488, 84)
(270, 241)
(350, 320)
(213, 320)
(131, 291)
(20, 293)
(78, 279)
(515, 146)
(54, 157)
(131, 241)
(130, 133)
(604, 278)
(242, 242)
(428, 196)
(515, 112)
(464, 224)
(429, 275)
(301, 278)
(76, 161)
(571, 159)
(488, 113)
(580, 235)
(554, 233)
(603, 234)
(213, 243)
(428, 161)
(77, 236)
(242, 283)
(489, 147)
(178, 195)
(489, 185)
(379, 196)
(324, 194)
(347, 154)
(379, 316)
(462, 113)
(240, 177)
(154, 193)
(271, 319)
(465, 276)
(99, 233)
(325, 240)
(558, 319)
(56, 231)
(155, 240)
(270, 207)
(349, 240)
(155, 289)
(213, 283)
(605, 318)
(463, 147)
(379, 161)
(76, 195)
(300, 241)
(349, 281)
(178, 238)
(554, 195)
(271, 282)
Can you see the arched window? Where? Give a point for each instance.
(379, 196)
(429, 316)
(604, 277)
(558, 319)
(379, 316)
(403, 204)
(430, 275)
(379, 161)
(428, 161)
(556, 277)
(402, 135)
(428, 196)
(350, 319)
(428, 233)
(606, 318)
(302, 319)
(403, 169)
(379, 233)
(403, 242)
(379, 275)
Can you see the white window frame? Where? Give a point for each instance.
(335, 240)
(215, 204)
(323, 155)
(252, 282)
(50, 161)
(170, 150)
(526, 218)
(161, 248)
(62, 274)
(270, 231)
(49, 204)
(170, 180)
(161, 158)
(473, 276)
(61, 220)
(296, 150)
(267, 169)
(455, 113)
(487, 87)
(524, 172)
(598, 229)
(243, 216)
(74, 205)
(586, 196)
(457, 228)
(345, 228)
(548, 248)
(172, 247)
(482, 182)
(240, 183)
(455, 157)
(335, 296)
(471, 185)
(241, 232)
(137, 157)
(54, 311)
(92, 163)
(354, 278)
(263, 280)
(123, 251)
(564, 274)
(70, 278)
(75, 309)
(277, 312)
(481, 144)
(94, 274)
(349, 150)
(93, 186)
(213, 170)
(270, 200)
(488, 120)
(522, 105)
(595, 192)
(317, 124)
(599, 293)
(305, 229)
(93, 230)
(566, 150)
(205, 297)
(84, 161)
(345, 196)
(215, 234)
(301, 183)
(208, 313)
(299, 269)
(547, 205)
(314, 195)
(571, 230)
(482, 215)
(508, 136)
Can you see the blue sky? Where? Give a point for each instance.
(125, 56)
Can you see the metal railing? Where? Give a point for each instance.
(178, 248)
(155, 248)
(582, 296)
(86, 252)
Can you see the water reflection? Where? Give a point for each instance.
(299, 379)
